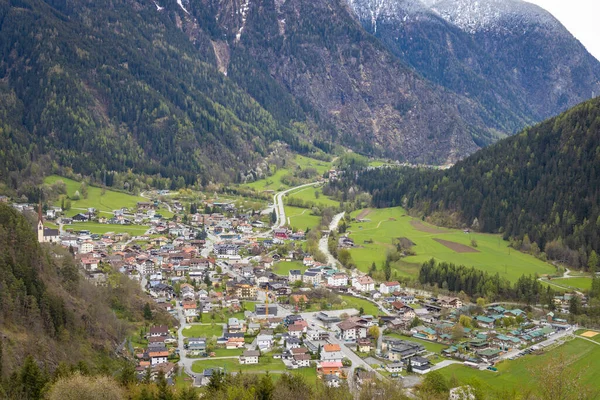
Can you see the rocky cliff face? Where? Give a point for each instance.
(318, 52)
(512, 57)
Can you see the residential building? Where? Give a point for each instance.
(337, 280)
(249, 357)
(363, 283)
(389, 287)
(294, 275)
(332, 353)
(352, 329)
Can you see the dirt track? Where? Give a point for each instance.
(457, 247)
(420, 226)
(363, 214)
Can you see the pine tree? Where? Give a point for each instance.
(409, 368)
(147, 312)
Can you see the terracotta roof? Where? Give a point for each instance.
(159, 354)
(332, 347)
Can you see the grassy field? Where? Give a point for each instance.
(383, 225)
(429, 346)
(581, 355)
(203, 331)
(273, 182)
(301, 218)
(368, 307)
(582, 283)
(284, 267)
(107, 203)
(310, 194)
(104, 203)
(594, 338)
(231, 364)
(220, 352)
(94, 227)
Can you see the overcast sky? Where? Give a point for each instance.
(580, 17)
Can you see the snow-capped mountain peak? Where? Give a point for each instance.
(484, 15)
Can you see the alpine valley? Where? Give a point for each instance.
(297, 200)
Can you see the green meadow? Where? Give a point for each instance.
(354, 302)
(309, 194)
(581, 283)
(274, 182)
(382, 226)
(265, 364)
(100, 229)
(284, 267)
(105, 203)
(206, 330)
(580, 355)
(301, 218)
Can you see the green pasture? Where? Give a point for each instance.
(273, 182)
(301, 218)
(94, 227)
(309, 194)
(284, 267)
(206, 330)
(382, 226)
(354, 302)
(581, 356)
(581, 283)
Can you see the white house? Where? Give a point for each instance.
(264, 341)
(363, 284)
(332, 352)
(308, 261)
(158, 357)
(351, 329)
(337, 280)
(389, 287)
(310, 277)
(294, 275)
(249, 357)
(302, 360)
(86, 247)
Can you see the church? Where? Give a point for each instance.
(46, 235)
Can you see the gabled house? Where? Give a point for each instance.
(389, 287)
(363, 283)
(249, 357)
(352, 329)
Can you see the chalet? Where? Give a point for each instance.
(295, 331)
(158, 357)
(308, 261)
(161, 330)
(331, 380)
(144, 206)
(352, 329)
(450, 302)
(364, 345)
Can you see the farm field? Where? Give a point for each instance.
(273, 182)
(207, 330)
(429, 346)
(492, 254)
(284, 267)
(301, 218)
(94, 227)
(581, 283)
(581, 355)
(592, 335)
(354, 302)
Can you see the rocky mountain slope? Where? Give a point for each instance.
(512, 57)
(196, 90)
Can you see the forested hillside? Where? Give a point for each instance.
(541, 187)
(101, 85)
(49, 311)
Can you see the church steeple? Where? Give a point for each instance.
(40, 226)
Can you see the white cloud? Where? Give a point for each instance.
(580, 17)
